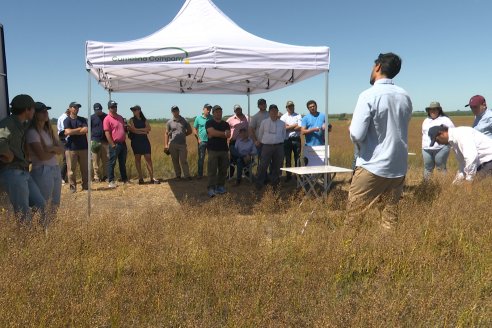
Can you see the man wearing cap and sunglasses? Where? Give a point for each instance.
(99, 144)
(292, 143)
(177, 128)
(115, 130)
(483, 116)
(472, 148)
(14, 164)
(75, 127)
(201, 136)
(254, 124)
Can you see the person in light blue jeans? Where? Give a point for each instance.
(43, 147)
(14, 165)
(23, 194)
(437, 155)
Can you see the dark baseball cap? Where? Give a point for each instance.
(261, 101)
(135, 108)
(74, 104)
(216, 107)
(174, 108)
(207, 105)
(112, 103)
(22, 102)
(434, 132)
(39, 107)
(98, 106)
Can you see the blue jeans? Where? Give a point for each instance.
(435, 158)
(118, 152)
(23, 193)
(202, 149)
(48, 180)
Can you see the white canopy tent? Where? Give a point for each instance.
(203, 51)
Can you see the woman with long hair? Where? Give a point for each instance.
(139, 128)
(437, 155)
(43, 146)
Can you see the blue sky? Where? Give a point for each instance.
(445, 47)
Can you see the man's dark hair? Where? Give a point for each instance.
(390, 64)
(443, 128)
(310, 102)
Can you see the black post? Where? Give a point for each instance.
(4, 90)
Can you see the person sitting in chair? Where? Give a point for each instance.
(245, 150)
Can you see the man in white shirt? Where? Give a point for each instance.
(63, 140)
(292, 143)
(473, 150)
(271, 135)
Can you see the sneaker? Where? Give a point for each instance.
(155, 181)
(141, 181)
(73, 189)
(97, 180)
(112, 185)
(63, 182)
(211, 192)
(220, 190)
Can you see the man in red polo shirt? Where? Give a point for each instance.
(115, 131)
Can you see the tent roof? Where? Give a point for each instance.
(202, 51)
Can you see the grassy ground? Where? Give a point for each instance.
(167, 256)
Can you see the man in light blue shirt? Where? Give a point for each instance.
(201, 136)
(483, 117)
(379, 130)
(313, 125)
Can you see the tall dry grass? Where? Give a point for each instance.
(225, 262)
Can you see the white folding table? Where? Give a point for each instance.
(316, 180)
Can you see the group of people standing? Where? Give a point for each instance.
(379, 131)
(107, 144)
(27, 137)
(235, 144)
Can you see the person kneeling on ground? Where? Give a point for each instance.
(473, 150)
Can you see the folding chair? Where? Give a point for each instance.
(314, 183)
(247, 170)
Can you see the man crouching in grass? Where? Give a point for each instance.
(379, 130)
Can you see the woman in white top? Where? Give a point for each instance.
(43, 146)
(437, 155)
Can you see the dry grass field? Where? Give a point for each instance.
(167, 256)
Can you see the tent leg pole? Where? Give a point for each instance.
(249, 109)
(327, 158)
(89, 155)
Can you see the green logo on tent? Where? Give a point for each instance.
(175, 57)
